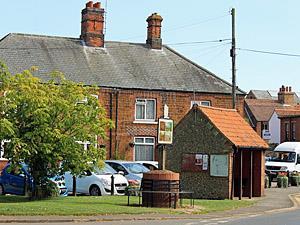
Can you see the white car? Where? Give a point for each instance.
(151, 165)
(98, 182)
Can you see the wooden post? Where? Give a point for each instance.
(241, 176)
(251, 174)
(232, 175)
(163, 157)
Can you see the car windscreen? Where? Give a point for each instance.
(107, 169)
(283, 157)
(136, 168)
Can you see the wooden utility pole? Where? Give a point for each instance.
(232, 54)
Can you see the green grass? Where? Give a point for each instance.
(105, 205)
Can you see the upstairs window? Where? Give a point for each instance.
(293, 131)
(204, 103)
(265, 126)
(286, 131)
(145, 109)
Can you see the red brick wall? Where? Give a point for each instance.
(3, 163)
(123, 102)
(289, 121)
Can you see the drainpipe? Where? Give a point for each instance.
(110, 117)
(116, 125)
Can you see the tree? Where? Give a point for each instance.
(46, 120)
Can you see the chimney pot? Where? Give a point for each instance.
(97, 5)
(154, 31)
(89, 4)
(286, 96)
(92, 25)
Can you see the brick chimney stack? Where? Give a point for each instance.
(286, 96)
(92, 25)
(154, 31)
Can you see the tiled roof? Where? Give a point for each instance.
(261, 94)
(234, 127)
(118, 65)
(271, 95)
(262, 110)
(288, 112)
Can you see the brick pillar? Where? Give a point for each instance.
(154, 31)
(92, 25)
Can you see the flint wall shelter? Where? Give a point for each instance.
(217, 154)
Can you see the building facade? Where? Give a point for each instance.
(217, 154)
(262, 107)
(136, 81)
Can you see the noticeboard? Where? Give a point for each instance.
(165, 131)
(194, 162)
(219, 165)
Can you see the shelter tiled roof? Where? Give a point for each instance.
(230, 123)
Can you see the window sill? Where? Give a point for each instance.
(145, 122)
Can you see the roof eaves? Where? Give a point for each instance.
(6, 36)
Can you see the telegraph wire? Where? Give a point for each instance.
(268, 52)
(198, 42)
(183, 26)
(120, 45)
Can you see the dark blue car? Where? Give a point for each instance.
(13, 179)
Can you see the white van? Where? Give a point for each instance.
(285, 158)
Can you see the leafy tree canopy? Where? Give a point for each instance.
(46, 120)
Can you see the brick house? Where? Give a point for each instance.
(135, 80)
(260, 109)
(289, 124)
(217, 154)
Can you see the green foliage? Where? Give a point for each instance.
(44, 120)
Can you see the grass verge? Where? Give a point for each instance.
(105, 205)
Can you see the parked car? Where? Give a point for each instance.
(98, 182)
(151, 165)
(12, 181)
(133, 171)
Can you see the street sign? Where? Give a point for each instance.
(165, 131)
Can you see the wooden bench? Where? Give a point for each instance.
(176, 195)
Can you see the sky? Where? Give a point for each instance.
(268, 25)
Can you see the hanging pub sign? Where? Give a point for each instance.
(165, 131)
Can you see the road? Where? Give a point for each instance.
(283, 218)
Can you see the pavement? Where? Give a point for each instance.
(275, 200)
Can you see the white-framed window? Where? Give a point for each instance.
(144, 148)
(86, 144)
(2, 147)
(145, 109)
(204, 103)
(85, 99)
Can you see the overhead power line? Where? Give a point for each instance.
(183, 26)
(268, 52)
(199, 42)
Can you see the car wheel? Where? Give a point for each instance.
(1, 190)
(95, 190)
